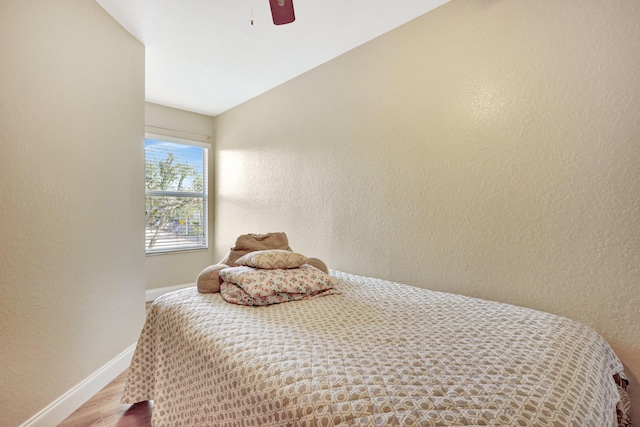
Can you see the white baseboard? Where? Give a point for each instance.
(66, 404)
(151, 294)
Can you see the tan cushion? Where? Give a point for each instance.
(209, 280)
(247, 243)
(319, 264)
(271, 259)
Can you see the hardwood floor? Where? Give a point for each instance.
(104, 409)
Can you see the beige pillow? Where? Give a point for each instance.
(209, 280)
(274, 258)
(319, 264)
(247, 243)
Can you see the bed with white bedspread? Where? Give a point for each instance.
(380, 353)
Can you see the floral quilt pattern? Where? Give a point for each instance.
(254, 286)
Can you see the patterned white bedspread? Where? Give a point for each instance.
(381, 353)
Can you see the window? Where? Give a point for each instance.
(176, 194)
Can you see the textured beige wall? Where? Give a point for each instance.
(72, 215)
(489, 148)
(180, 267)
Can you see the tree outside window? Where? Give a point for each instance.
(176, 196)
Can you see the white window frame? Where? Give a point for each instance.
(164, 249)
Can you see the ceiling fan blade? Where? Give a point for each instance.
(282, 11)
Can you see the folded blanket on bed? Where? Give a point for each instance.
(255, 286)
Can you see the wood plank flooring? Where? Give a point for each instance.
(105, 410)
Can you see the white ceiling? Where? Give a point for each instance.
(205, 56)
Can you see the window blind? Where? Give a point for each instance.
(176, 195)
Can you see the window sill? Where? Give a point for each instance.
(182, 251)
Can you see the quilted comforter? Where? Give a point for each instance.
(381, 353)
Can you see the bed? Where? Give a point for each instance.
(378, 353)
